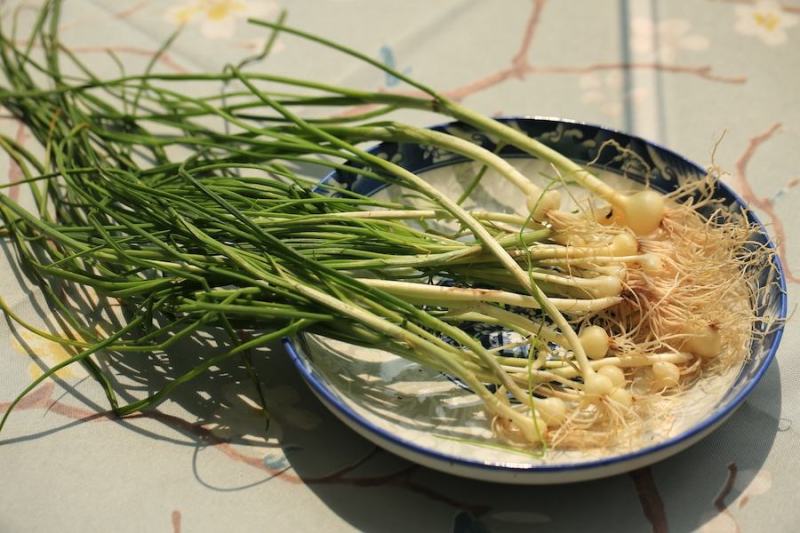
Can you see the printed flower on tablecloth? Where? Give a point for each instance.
(661, 42)
(765, 20)
(46, 353)
(218, 18)
(606, 91)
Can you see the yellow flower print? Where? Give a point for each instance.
(47, 354)
(218, 18)
(766, 20)
(671, 35)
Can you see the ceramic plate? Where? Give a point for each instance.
(432, 419)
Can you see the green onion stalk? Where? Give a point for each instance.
(143, 197)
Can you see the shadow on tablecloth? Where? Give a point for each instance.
(682, 493)
(373, 490)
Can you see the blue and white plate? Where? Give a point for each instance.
(429, 418)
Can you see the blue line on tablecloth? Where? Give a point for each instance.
(661, 108)
(627, 106)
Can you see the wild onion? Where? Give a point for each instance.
(196, 212)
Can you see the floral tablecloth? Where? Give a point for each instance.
(689, 74)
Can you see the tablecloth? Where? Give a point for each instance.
(706, 78)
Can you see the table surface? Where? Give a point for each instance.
(687, 74)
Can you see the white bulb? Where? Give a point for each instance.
(604, 286)
(621, 396)
(553, 410)
(536, 431)
(666, 374)
(651, 263)
(644, 211)
(541, 204)
(614, 373)
(707, 343)
(624, 244)
(594, 341)
(595, 385)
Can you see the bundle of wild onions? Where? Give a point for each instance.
(189, 222)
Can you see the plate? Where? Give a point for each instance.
(431, 418)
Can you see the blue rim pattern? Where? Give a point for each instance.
(580, 142)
